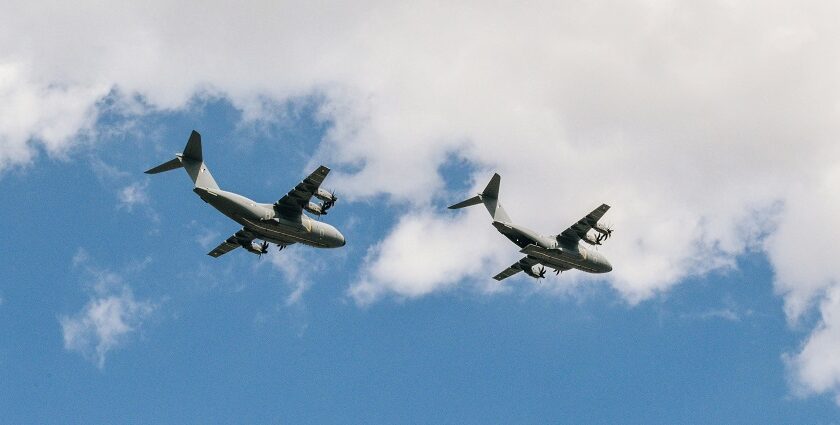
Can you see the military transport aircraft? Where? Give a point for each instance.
(282, 223)
(561, 252)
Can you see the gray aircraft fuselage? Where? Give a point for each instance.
(560, 252)
(282, 223)
(561, 256)
(263, 221)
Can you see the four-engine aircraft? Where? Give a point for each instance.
(560, 252)
(282, 223)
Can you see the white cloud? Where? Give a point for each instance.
(802, 248)
(134, 194)
(728, 314)
(108, 319)
(49, 113)
(80, 257)
(207, 238)
(130, 193)
(693, 119)
(816, 367)
(296, 268)
(104, 323)
(803, 252)
(425, 254)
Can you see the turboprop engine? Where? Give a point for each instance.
(258, 249)
(315, 208)
(594, 240)
(604, 230)
(329, 199)
(536, 271)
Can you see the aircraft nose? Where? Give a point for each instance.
(340, 238)
(607, 266)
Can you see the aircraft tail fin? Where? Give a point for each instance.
(193, 161)
(490, 198)
(193, 149)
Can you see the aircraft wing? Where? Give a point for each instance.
(515, 268)
(231, 243)
(293, 202)
(578, 230)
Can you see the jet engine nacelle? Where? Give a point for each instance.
(314, 208)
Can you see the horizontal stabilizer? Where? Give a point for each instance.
(166, 166)
(475, 200)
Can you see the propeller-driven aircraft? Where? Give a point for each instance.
(560, 252)
(282, 223)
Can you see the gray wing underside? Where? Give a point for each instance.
(230, 244)
(294, 201)
(578, 230)
(515, 268)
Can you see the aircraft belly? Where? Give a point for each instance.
(560, 257)
(518, 240)
(285, 234)
(570, 264)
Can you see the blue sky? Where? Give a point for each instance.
(710, 128)
(221, 344)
